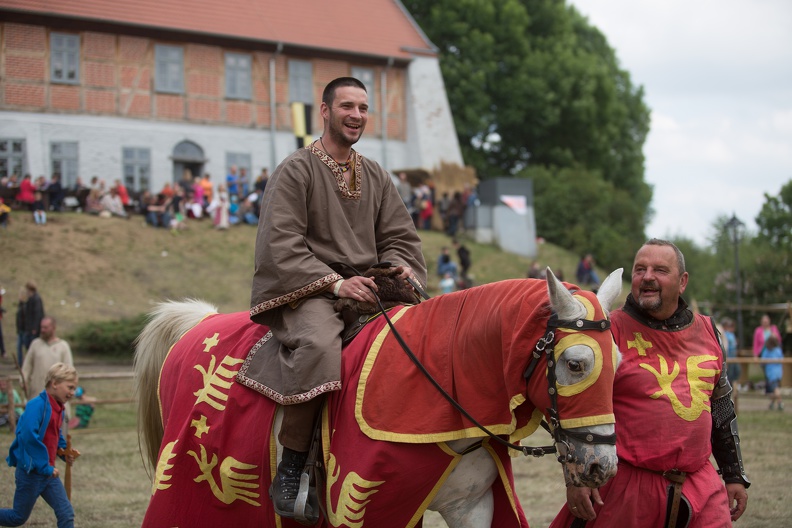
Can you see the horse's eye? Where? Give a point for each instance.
(574, 366)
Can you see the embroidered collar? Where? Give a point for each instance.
(355, 160)
(681, 318)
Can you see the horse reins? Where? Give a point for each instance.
(546, 346)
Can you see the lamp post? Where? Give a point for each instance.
(734, 225)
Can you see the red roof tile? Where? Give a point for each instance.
(368, 27)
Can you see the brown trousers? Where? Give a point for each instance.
(298, 424)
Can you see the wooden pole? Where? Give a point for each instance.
(65, 453)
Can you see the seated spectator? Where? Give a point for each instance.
(4, 414)
(56, 193)
(123, 193)
(176, 208)
(206, 183)
(447, 283)
(83, 409)
(536, 271)
(585, 272)
(93, 202)
(167, 190)
(157, 211)
(5, 214)
(197, 203)
(27, 191)
(39, 209)
(248, 210)
(445, 264)
(13, 181)
(111, 203)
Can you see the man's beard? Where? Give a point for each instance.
(651, 305)
(339, 138)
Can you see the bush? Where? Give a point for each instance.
(107, 339)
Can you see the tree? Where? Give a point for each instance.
(534, 87)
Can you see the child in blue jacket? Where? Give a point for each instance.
(38, 437)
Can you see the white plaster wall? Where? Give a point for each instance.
(101, 140)
(431, 137)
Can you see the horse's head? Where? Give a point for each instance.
(581, 365)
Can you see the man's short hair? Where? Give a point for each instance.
(30, 285)
(60, 372)
(328, 96)
(680, 257)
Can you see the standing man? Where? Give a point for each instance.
(44, 352)
(671, 398)
(232, 181)
(325, 203)
(34, 313)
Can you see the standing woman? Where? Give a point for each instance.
(762, 332)
(20, 324)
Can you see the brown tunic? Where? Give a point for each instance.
(309, 219)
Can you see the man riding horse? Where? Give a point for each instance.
(325, 203)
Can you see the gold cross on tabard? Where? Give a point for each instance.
(639, 344)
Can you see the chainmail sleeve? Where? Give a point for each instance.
(725, 436)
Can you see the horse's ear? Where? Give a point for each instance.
(610, 289)
(564, 304)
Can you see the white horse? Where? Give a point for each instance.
(393, 455)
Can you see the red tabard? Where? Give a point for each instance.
(661, 399)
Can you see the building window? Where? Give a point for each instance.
(12, 157)
(64, 161)
(170, 69)
(237, 76)
(366, 76)
(64, 58)
(137, 168)
(300, 82)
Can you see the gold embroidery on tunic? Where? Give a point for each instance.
(232, 483)
(201, 428)
(163, 465)
(352, 498)
(699, 398)
(639, 344)
(215, 389)
(211, 342)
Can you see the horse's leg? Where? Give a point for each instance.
(465, 500)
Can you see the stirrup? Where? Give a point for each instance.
(307, 499)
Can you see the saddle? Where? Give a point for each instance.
(391, 290)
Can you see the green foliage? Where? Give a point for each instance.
(775, 219)
(533, 86)
(579, 210)
(107, 338)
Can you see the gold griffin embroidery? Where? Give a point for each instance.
(232, 482)
(699, 398)
(163, 465)
(217, 382)
(352, 498)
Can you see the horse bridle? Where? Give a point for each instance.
(546, 346)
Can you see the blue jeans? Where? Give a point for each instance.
(28, 488)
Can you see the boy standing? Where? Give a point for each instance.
(38, 437)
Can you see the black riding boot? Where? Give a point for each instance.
(286, 485)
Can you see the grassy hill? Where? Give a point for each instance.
(95, 269)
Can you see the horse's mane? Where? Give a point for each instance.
(167, 323)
